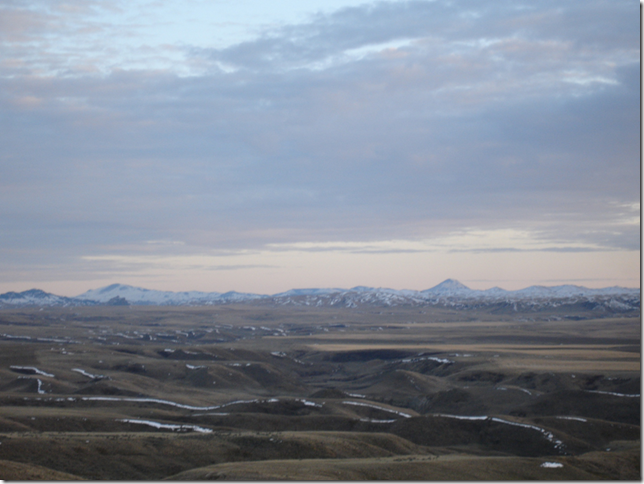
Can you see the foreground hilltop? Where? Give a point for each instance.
(449, 293)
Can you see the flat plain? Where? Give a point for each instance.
(264, 392)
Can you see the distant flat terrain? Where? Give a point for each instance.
(296, 392)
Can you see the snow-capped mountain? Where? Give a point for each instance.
(452, 293)
(150, 297)
(139, 295)
(449, 293)
(570, 291)
(308, 292)
(35, 297)
(234, 296)
(449, 287)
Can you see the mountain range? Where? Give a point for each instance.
(450, 293)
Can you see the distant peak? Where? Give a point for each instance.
(450, 284)
(449, 287)
(111, 287)
(362, 289)
(35, 292)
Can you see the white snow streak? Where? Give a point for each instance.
(634, 395)
(31, 369)
(371, 420)
(573, 418)
(462, 417)
(544, 432)
(149, 400)
(88, 375)
(432, 358)
(167, 426)
(174, 404)
(308, 403)
(548, 435)
(359, 404)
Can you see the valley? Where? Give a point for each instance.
(266, 391)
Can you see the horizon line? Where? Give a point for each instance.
(338, 288)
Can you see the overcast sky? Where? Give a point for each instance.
(260, 146)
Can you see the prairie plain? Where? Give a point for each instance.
(263, 392)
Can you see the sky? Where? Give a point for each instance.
(258, 146)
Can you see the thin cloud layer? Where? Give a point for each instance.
(385, 121)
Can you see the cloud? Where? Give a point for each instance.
(388, 121)
(516, 30)
(515, 249)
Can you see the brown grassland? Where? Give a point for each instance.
(261, 392)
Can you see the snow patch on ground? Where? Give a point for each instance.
(150, 400)
(579, 419)
(629, 395)
(544, 432)
(308, 403)
(30, 369)
(462, 417)
(548, 435)
(88, 375)
(432, 358)
(360, 404)
(157, 425)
